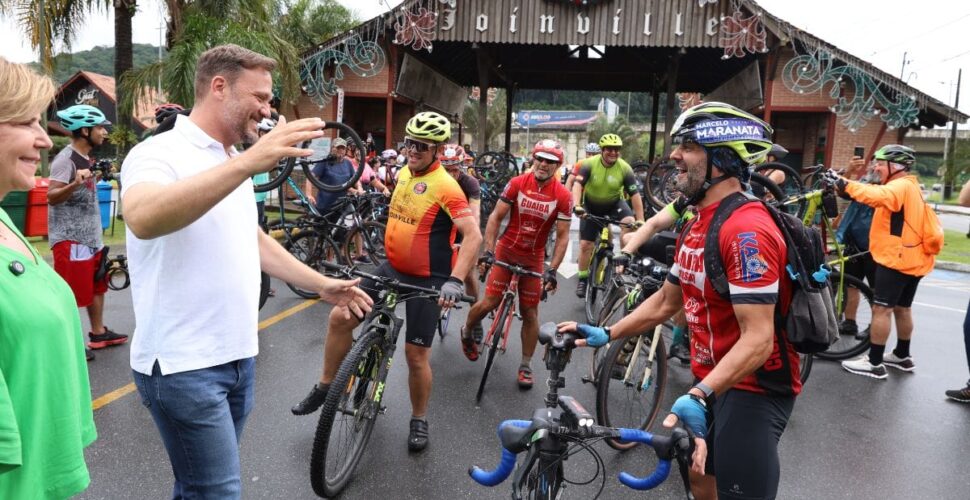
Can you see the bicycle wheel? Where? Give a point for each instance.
(850, 345)
(348, 416)
(790, 189)
(263, 289)
(311, 248)
(544, 481)
(277, 176)
(631, 401)
(353, 138)
(496, 332)
(666, 191)
(655, 174)
(370, 235)
(597, 290)
(613, 311)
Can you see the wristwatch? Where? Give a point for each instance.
(708, 393)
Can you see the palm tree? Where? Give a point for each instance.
(47, 22)
(494, 121)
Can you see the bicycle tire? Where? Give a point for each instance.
(352, 136)
(612, 312)
(118, 278)
(790, 189)
(600, 277)
(372, 236)
(666, 192)
(848, 346)
(545, 473)
(316, 248)
(655, 174)
(364, 359)
(504, 310)
(638, 416)
(278, 175)
(263, 289)
(768, 186)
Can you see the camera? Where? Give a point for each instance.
(105, 168)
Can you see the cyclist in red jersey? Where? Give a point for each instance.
(534, 202)
(747, 373)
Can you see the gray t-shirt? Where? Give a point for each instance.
(79, 218)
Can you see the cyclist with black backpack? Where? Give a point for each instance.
(746, 368)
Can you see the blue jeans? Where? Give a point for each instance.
(200, 415)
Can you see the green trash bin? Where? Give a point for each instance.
(15, 204)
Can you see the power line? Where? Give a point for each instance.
(929, 32)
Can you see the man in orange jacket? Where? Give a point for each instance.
(895, 241)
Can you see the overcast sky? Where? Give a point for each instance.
(932, 33)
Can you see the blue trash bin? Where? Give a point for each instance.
(104, 203)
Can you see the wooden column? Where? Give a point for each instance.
(482, 99)
(509, 100)
(389, 103)
(654, 118)
(672, 71)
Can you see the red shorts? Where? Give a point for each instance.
(530, 287)
(78, 270)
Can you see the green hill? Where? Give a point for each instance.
(99, 60)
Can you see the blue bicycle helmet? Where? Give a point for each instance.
(81, 116)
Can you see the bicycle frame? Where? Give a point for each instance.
(509, 298)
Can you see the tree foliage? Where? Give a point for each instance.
(97, 60)
(494, 123)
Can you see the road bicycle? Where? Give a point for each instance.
(601, 265)
(355, 398)
(497, 338)
(562, 428)
(282, 172)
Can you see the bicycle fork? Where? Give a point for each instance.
(648, 371)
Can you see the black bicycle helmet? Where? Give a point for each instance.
(778, 151)
(163, 111)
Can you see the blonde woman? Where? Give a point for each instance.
(45, 400)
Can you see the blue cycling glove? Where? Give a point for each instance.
(595, 336)
(692, 414)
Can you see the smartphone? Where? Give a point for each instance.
(859, 151)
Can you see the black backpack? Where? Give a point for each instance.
(810, 325)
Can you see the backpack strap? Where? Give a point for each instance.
(713, 264)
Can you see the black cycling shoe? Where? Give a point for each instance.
(312, 401)
(848, 327)
(680, 351)
(418, 437)
(581, 288)
(862, 334)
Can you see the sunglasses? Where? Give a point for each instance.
(547, 161)
(417, 146)
(611, 150)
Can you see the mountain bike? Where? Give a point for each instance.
(820, 209)
(355, 398)
(601, 265)
(497, 338)
(563, 428)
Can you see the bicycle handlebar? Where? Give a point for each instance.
(389, 282)
(516, 269)
(606, 220)
(667, 448)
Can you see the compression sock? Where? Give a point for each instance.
(583, 274)
(902, 348)
(875, 354)
(679, 335)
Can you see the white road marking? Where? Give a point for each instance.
(924, 304)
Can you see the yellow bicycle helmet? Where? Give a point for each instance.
(611, 141)
(429, 126)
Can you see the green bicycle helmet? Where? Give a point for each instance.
(81, 116)
(429, 126)
(714, 124)
(611, 141)
(896, 153)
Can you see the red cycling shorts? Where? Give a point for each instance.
(72, 262)
(530, 287)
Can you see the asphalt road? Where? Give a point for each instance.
(849, 436)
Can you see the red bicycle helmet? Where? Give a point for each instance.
(549, 149)
(163, 111)
(451, 154)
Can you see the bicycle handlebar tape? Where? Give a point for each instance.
(658, 476)
(506, 464)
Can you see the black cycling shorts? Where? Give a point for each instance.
(742, 445)
(590, 231)
(862, 267)
(893, 288)
(421, 315)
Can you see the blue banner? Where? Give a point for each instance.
(554, 119)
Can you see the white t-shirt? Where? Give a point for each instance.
(195, 291)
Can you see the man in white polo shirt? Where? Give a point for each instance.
(195, 254)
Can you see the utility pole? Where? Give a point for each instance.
(902, 71)
(949, 176)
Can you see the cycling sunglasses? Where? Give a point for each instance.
(417, 146)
